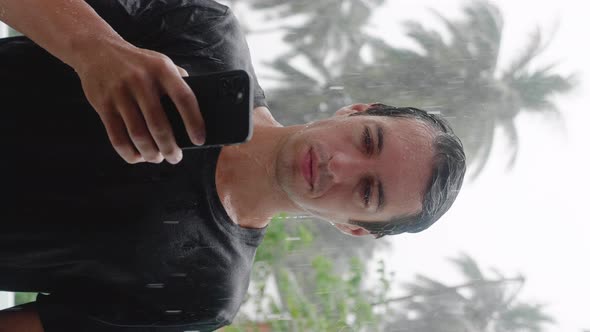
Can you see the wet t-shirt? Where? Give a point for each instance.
(114, 246)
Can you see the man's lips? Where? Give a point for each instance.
(307, 168)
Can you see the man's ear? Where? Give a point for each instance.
(346, 110)
(352, 230)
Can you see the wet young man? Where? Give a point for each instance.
(115, 239)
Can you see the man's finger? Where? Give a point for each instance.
(117, 133)
(157, 122)
(186, 103)
(137, 128)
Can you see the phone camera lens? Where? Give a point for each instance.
(239, 97)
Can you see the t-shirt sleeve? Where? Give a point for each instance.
(66, 313)
(202, 36)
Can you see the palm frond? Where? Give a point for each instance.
(513, 142)
(468, 266)
(533, 49)
(485, 23)
(536, 88)
(430, 40)
(292, 74)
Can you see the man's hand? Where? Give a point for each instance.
(124, 84)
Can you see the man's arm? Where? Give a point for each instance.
(122, 82)
(59, 26)
(25, 320)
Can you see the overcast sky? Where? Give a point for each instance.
(531, 219)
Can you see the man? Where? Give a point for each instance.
(118, 244)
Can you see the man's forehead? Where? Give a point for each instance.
(410, 158)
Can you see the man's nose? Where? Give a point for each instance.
(346, 167)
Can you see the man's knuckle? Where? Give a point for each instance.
(99, 104)
(184, 95)
(119, 143)
(139, 135)
(163, 65)
(157, 158)
(159, 130)
(166, 61)
(134, 160)
(133, 76)
(168, 151)
(152, 157)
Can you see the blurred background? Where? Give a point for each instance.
(510, 76)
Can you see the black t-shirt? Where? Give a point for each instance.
(118, 247)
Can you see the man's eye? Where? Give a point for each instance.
(367, 192)
(368, 141)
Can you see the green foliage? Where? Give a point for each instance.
(13, 33)
(282, 238)
(456, 76)
(22, 298)
(337, 302)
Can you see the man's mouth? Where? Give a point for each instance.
(307, 168)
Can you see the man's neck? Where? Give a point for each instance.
(246, 174)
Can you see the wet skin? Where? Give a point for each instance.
(367, 168)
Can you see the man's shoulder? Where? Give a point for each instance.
(150, 16)
(263, 117)
(153, 7)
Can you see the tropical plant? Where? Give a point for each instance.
(327, 40)
(344, 301)
(481, 304)
(458, 77)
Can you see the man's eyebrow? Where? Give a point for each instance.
(381, 194)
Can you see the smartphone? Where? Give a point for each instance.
(225, 100)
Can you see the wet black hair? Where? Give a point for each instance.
(447, 177)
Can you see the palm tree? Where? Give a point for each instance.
(482, 304)
(461, 79)
(329, 26)
(458, 77)
(339, 302)
(328, 41)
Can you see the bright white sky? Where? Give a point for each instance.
(529, 220)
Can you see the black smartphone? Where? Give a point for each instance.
(225, 100)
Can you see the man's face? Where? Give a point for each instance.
(366, 168)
